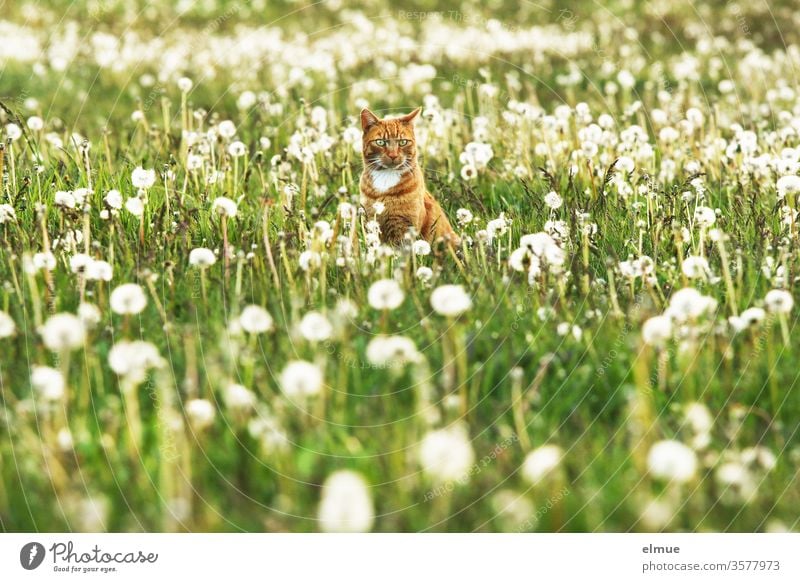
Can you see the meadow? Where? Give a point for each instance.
(201, 331)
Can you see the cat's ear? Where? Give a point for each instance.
(411, 116)
(368, 119)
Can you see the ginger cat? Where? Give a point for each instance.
(393, 177)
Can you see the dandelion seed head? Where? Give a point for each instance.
(387, 351)
(238, 397)
(142, 178)
(65, 199)
(113, 199)
(64, 440)
(553, 200)
(237, 149)
(385, 294)
(540, 463)
(301, 379)
(345, 505)
(226, 129)
(35, 123)
(224, 206)
(463, 216)
(696, 267)
(469, 172)
(672, 461)
(48, 382)
(446, 454)
(89, 314)
(128, 299)
(450, 300)
(779, 301)
(246, 100)
(705, 216)
(7, 326)
(698, 417)
(689, 303)
(185, 84)
(421, 248)
(202, 258)
(135, 206)
(255, 319)
(133, 359)
(201, 413)
(63, 332)
(315, 327)
(788, 185)
(309, 260)
(759, 458)
(7, 213)
(13, 131)
(424, 274)
(657, 514)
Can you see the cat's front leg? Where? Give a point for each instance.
(394, 229)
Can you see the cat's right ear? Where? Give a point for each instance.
(368, 119)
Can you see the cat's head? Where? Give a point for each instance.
(388, 144)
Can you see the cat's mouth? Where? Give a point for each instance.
(397, 165)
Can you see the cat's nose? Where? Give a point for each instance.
(392, 155)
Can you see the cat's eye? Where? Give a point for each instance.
(380, 143)
(403, 143)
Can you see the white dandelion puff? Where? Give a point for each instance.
(62, 332)
(447, 454)
(315, 327)
(224, 206)
(143, 179)
(386, 351)
(135, 206)
(201, 413)
(7, 326)
(238, 397)
(128, 299)
(48, 382)
(255, 319)
(202, 258)
(450, 300)
(385, 294)
(345, 505)
(541, 462)
(673, 461)
(657, 330)
(133, 359)
(301, 379)
(779, 301)
(421, 248)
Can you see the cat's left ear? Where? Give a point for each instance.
(411, 116)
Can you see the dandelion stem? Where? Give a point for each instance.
(268, 248)
(771, 365)
(225, 254)
(518, 406)
(784, 329)
(612, 290)
(13, 171)
(726, 271)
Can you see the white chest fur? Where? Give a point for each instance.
(383, 180)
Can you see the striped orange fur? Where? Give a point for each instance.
(393, 178)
